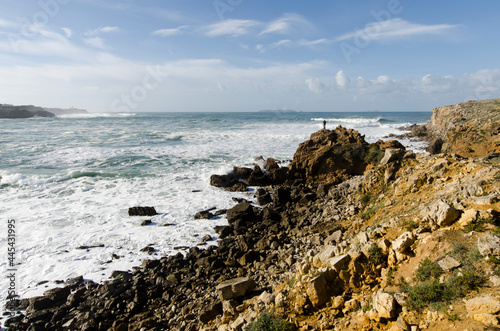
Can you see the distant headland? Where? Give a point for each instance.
(29, 111)
(281, 111)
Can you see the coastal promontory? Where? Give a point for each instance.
(347, 236)
(29, 111)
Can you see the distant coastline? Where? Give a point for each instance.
(29, 111)
(280, 111)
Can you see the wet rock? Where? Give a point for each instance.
(142, 211)
(204, 214)
(223, 231)
(242, 213)
(57, 294)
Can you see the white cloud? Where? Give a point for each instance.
(232, 27)
(106, 29)
(67, 32)
(341, 79)
(396, 28)
(96, 42)
(315, 85)
(170, 32)
(287, 24)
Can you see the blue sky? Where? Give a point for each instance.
(248, 55)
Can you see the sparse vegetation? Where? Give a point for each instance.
(268, 322)
(375, 255)
(427, 270)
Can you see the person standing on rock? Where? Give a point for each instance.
(324, 124)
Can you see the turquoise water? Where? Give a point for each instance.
(69, 181)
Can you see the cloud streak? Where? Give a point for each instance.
(396, 28)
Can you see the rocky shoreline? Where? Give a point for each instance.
(347, 237)
(16, 112)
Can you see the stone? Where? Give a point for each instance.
(334, 237)
(235, 288)
(485, 304)
(489, 245)
(142, 211)
(401, 323)
(58, 293)
(391, 155)
(384, 304)
(486, 319)
(338, 302)
(317, 291)
(323, 256)
(403, 242)
(340, 262)
(486, 200)
(443, 214)
(146, 222)
(240, 212)
(448, 263)
(495, 280)
(211, 312)
(468, 216)
(39, 303)
(350, 306)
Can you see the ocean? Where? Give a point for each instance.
(68, 182)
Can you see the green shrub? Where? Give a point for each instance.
(428, 269)
(365, 199)
(268, 322)
(375, 255)
(423, 294)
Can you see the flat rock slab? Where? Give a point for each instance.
(235, 288)
(448, 263)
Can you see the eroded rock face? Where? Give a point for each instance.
(331, 156)
(454, 129)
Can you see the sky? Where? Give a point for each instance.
(248, 55)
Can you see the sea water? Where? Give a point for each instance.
(69, 181)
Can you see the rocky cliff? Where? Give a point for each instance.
(10, 111)
(384, 239)
(468, 129)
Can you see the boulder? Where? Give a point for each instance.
(442, 213)
(142, 211)
(392, 155)
(384, 304)
(235, 288)
(330, 156)
(403, 242)
(317, 291)
(485, 304)
(486, 319)
(242, 212)
(58, 294)
(489, 245)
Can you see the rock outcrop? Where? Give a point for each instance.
(350, 236)
(468, 129)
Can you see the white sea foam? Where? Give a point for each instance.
(70, 181)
